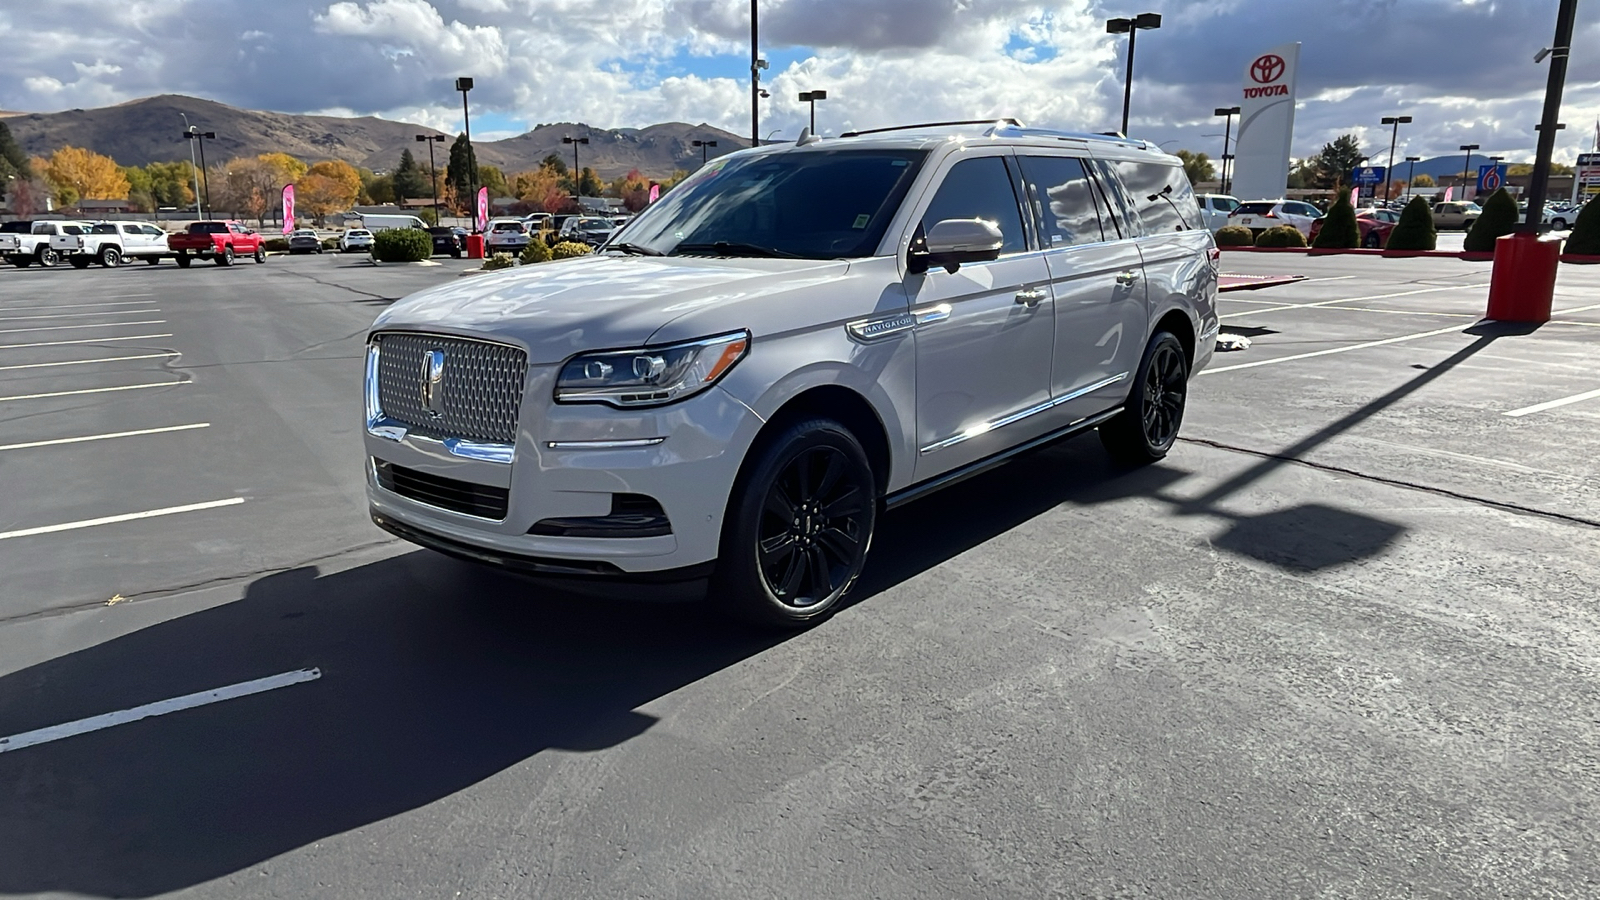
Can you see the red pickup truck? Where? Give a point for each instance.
(221, 242)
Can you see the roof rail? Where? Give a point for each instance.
(1002, 121)
(1107, 136)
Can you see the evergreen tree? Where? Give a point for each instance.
(12, 160)
(1584, 239)
(1499, 218)
(1339, 230)
(554, 163)
(1415, 230)
(410, 183)
(461, 174)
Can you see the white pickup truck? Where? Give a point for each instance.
(110, 243)
(24, 243)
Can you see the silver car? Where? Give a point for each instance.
(794, 339)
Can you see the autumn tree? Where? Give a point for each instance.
(632, 189)
(1424, 180)
(77, 174)
(329, 186)
(544, 190)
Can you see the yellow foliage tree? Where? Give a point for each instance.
(287, 168)
(78, 174)
(342, 173)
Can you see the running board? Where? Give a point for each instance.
(923, 489)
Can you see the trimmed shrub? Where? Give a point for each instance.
(402, 245)
(1415, 230)
(276, 245)
(1339, 230)
(1281, 236)
(1584, 238)
(499, 261)
(1499, 218)
(1234, 236)
(536, 252)
(330, 243)
(569, 249)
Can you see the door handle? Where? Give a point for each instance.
(1127, 279)
(1030, 298)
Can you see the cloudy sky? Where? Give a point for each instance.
(1463, 68)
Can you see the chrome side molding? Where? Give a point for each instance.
(1012, 418)
(878, 328)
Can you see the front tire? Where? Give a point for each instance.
(798, 527)
(183, 260)
(153, 260)
(261, 255)
(1372, 241)
(1148, 425)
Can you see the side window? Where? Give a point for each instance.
(1160, 194)
(979, 189)
(153, 231)
(44, 228)
(132, 229)
(1064, 199)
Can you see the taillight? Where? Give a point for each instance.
(1269, 215)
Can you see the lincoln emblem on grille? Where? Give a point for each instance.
(433, 382)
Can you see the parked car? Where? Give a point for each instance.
(110, 243)
(24, 242)
(591, 230)
(1456, 214)
(446, 240)
(557, 223)
(1557, 217)
(1259, 215)
(783, 347)
(304, 240)
(1374, 225)
(505, 236)
(219, 241)
(355, 239)
(376, 223)
(1215, 209)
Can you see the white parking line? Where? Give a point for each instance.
(131, 337)
(118, 312)
(86, 362)
(104, 390)
(97, 325)
(1251, 312)
(104, 437)
(159, 708)
(1282, 359)
(76, 305)
(125, 517)
(1541, 407)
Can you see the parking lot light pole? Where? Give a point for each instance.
(195, 134)
(463, 85)
(1411, 172)
(704, 145)
(1465, 166)
(1394, 138)
(812, 97)
(1227, 112)
(193, 170)
(577, 174)
(1131, 28)
(433, 170)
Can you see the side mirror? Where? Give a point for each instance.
(952, 242)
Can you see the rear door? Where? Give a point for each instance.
(1096, 284)
(986, 333)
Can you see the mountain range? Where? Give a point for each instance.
(148, 130)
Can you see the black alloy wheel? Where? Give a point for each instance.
(799, 527)
(1148, 425)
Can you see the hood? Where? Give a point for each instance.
(560, 308)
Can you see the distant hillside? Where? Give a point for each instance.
(149, 130)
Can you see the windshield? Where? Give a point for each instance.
(816, 204)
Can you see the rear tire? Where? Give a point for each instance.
(183, 260)
(261, 255)
(153, 260)
(1372, 241)
(798, 527)
(1148, 425)
(1558, 224)
(22, 262)
(225, 258)
(79, 262)
(46, 257)
(110, 257)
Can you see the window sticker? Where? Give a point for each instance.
(861, 221)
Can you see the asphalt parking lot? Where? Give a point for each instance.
(1341, 643)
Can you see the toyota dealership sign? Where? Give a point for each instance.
(1266, 124)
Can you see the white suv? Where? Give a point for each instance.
(793, 339)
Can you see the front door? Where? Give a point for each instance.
(986, 333)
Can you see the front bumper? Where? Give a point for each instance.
(568, 462)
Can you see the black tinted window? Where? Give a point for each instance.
(1064, 199)
(103, 228)
(208, 228)
(15, 227)
(1161, 195)
(1255, 209)
(979, 189)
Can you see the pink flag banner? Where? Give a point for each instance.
(288, 208)
(1448, 193)
(483, 208)
(655, 193)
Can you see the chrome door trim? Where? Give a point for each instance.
(1013, 418)
(880, 327)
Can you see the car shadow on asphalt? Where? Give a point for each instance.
(436, 675)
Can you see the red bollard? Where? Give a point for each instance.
(1523, 284)
(475, 247)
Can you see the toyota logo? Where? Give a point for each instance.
(1267, 69)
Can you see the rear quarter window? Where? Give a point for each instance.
(1161, 195)
(1254, 209)
(103, 229)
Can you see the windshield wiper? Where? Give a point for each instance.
(734, 248)
(635, 249)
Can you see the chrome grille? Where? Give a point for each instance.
(481, 389)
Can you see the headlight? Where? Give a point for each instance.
(650, 376)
